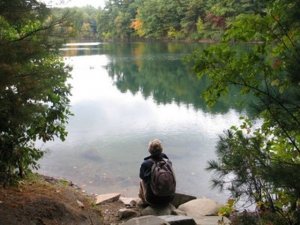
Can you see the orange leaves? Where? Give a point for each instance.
(137, 25)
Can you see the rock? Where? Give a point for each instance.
(180, 199)
(178, 212)
(200, 207)
(80, 204)
(129, 202)
(146, 220)
(127, 213)
(158, 211)
(213, 220)
(112, 197)
(179, 220)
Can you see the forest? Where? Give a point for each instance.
(259, 162)
(126, 20)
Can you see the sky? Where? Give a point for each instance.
(71, 3)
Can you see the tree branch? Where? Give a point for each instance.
(268, 95)
(42, 28)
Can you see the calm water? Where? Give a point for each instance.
(125, 95)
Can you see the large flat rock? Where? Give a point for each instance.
(179, 220)
(100, 199)
(146, 220)
(200, 207)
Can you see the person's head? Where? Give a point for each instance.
(155, 147)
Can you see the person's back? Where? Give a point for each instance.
(157, 186)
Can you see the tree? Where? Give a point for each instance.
(264, 161)
(114, 21)
(157, 17)
(79, 23)
(193, 11)
(33, 90)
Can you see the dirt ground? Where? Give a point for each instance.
(42, 200)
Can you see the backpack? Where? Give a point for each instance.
(163, 182)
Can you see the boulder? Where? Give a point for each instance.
(107, 198)
(198, 208)
(146, 220)
(158, 211)
(180, 199)
(179, 220)
(127, 213)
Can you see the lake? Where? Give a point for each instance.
(125, 95)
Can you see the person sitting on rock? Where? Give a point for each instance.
(158, 184)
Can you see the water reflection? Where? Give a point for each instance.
(158, 70)
(122, 97)
(77, 49)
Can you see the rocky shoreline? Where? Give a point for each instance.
(43, 200)
(184, 210)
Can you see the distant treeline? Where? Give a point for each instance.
(125, 20)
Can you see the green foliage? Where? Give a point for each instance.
(174, 34)
(154, 19)
(115, 20)
(245, 219)
(200, 25)
(261, 162)
(63, 182)
(80, 23)
(248, 167)
(240, 154)
(193, 12)
(227, 209)
(158, 19)
(264, 218)
(33, 90)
